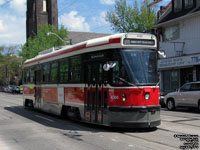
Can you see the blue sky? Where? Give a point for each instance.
(75, 15)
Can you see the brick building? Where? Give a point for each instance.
(40, 12)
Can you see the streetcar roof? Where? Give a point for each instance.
(97, 42)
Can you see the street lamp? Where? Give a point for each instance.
(66, 42)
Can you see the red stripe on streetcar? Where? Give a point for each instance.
(116, 40)
(59, 53)
(111, 41)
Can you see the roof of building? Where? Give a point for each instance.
(77, 37)
(170, 15)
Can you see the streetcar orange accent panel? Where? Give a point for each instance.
(50, 94)
(29, 91)
(75, 95)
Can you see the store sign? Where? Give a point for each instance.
(179, 61)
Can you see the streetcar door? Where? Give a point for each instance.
(38, 91)
(94, 92)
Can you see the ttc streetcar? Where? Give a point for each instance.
(111, 81)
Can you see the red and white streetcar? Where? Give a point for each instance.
(111, 81)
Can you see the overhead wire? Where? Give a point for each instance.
(67, 6)
(99, 28)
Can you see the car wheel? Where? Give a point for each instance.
(170, 104)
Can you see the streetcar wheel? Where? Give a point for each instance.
(170, 104)
(28, 103)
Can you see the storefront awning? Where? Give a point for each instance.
(178, 62)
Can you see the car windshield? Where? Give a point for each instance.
(135, 66)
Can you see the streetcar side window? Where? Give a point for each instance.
(45, 73)
(64, 70)
(54, 72)
(26, 75)
(32, 75)
(75, 69)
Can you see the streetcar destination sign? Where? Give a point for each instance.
(138, 42)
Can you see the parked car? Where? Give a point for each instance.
(6, 88)
(186, 96)
(15, 89)
(1, 89)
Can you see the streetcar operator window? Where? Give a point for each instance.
(134, 67)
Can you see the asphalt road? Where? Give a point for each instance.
(22, 129)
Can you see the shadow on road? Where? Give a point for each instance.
(65, 124)
(184, 109)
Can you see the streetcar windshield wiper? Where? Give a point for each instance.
(129, 83)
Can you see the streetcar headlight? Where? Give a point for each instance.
(123, 97)
(147, 96)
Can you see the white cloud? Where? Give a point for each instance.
(107, 2)
(12, 29)
(1, 25)
(13, 22)
(2, 2)
(100, 24)
(18, 5)
(101, 19)
(74, 22)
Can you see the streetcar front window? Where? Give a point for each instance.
(135, 67)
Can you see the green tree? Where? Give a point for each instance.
(136, 18)
(10, 65)
(42, 41)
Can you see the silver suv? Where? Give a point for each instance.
(187, 96)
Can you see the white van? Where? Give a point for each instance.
(186, 96)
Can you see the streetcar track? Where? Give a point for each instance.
(181, 116)
(157, 142)
(182, 123)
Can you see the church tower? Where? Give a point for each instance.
(40, 12)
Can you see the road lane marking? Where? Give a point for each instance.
(114, 140)
(44, 118)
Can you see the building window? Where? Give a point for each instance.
(177, 5)
(188, 3)
(170, 80)
(44, 6)
(171, 33)
(186, 75)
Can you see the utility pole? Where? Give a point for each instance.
(154, 2)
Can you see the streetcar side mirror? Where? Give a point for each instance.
(108, 65)
(162, 53)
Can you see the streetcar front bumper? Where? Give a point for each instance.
(135, 117)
